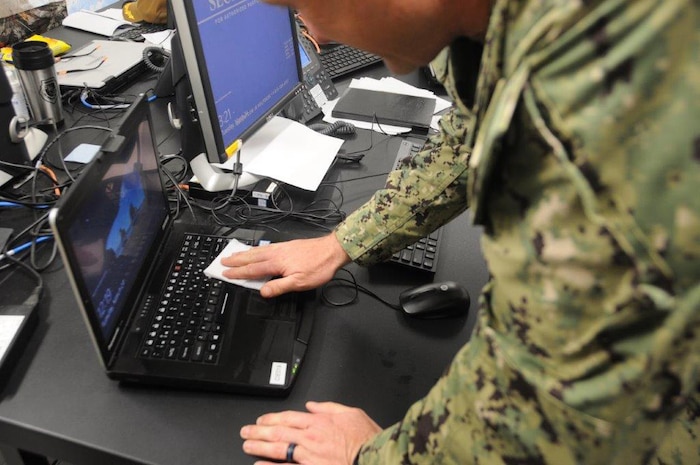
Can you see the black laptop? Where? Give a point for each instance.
(137, 275)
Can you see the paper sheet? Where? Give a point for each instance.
(290, 152)
(102, 24)
(83, 153)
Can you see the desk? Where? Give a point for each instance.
(58, 402)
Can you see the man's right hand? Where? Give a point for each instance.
(298, 265)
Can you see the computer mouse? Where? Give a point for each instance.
(435, 300)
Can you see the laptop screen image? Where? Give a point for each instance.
(116, 226)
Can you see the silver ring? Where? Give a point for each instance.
(290, 452)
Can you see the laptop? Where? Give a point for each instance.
(101, 65)
(127, 257)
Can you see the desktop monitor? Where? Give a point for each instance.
(241, 61)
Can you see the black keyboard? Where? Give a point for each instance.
(135, 34)
(185, 322)
(339, 60)
(423, 255)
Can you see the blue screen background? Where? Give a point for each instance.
(250, 58)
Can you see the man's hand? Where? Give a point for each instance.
(301, 264)
(330, 434)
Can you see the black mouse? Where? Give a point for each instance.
(435, 300)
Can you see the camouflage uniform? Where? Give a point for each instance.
(581, 160)
(17, 27)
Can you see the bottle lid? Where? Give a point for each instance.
(32, 55)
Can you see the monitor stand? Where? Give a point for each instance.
(34, 141)
(214, 179)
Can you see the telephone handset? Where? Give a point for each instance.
(318, 87)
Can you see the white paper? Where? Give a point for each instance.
(93, 22)
(83, 153)
(9, 324)
(114, 13)
(289, 152)
(162, 39)
(215, 270)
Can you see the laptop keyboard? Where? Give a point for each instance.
(423, 255)
(185, 323)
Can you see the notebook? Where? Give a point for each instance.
(123, 253)
(386, 108)
(101, 65)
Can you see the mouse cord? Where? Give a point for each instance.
(356, 288)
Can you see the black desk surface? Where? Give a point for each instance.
(59, 403)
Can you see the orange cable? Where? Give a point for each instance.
(50, 173)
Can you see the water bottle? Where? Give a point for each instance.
(34, 63)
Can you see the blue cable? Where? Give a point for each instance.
(6, 204)
(24, 246)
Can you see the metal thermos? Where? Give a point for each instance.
(34, 63)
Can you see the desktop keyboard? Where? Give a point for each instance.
(423, 255)
(135, 34)
(339, 60)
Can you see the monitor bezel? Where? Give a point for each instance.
(198, 77)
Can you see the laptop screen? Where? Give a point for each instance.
(114, 228)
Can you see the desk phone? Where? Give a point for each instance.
(318, 87)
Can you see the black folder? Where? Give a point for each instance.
(386, 108)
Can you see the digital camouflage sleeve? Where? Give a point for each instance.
(581, 160)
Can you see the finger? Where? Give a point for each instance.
(279, 286)
(236, 259)
(289, 418)
(327, 407)
(271, 450)
(250, 271)
(252, 255)
(282, 434)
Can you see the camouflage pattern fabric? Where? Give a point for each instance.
(38, 20)
(581, 160)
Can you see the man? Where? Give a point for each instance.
(581, 159)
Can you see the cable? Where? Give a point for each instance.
(352, 284)
(337, 128)
(23, 247)
(114, 106)
(6, 203)
(155, 58)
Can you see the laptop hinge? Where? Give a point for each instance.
(113, 143)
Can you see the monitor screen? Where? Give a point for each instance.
(242, 62)
(305, 60)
